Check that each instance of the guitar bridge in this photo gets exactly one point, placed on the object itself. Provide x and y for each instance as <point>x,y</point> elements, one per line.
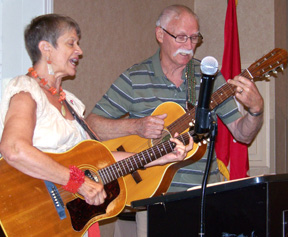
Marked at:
<point>136,176</point>
<point>56,198</point>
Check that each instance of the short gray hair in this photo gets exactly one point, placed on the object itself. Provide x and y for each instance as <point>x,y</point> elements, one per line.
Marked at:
<point>173,12</point>
<point>47,27</point>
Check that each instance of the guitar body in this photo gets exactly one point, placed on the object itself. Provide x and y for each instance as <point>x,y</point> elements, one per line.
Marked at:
<point>134,143</point>
<point>26,208</point>
<point>155,180</point>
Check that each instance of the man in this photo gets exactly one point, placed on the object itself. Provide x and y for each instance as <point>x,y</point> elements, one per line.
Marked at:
<point>161,78</point>
<point>140,89</point>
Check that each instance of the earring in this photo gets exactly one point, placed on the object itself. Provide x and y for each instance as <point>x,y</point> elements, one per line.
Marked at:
<point>49,67</point>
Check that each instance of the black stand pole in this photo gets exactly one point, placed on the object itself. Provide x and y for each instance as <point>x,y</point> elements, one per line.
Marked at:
<point>213,133</point>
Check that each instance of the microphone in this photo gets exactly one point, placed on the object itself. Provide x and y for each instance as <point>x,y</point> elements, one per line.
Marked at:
<point>209,69</point>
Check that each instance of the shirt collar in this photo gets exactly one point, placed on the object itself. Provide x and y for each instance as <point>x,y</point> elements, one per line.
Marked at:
<point>158,69</point>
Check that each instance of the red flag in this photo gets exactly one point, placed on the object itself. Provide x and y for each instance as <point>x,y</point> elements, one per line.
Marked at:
<point>227,149</point>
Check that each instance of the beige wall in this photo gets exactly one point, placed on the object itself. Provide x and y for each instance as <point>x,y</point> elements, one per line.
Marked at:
<point>255,26</point>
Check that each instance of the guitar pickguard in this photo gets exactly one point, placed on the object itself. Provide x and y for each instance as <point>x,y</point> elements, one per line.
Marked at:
<point>81,212</point>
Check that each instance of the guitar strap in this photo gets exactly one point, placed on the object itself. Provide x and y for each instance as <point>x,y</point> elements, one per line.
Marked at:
<point>82,122</point>
<point>191,84</point>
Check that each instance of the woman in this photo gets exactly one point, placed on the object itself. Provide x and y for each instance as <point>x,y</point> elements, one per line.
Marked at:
<point>34,117</point>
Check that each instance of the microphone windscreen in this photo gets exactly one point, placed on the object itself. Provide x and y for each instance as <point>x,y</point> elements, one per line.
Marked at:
<point>209,65</point>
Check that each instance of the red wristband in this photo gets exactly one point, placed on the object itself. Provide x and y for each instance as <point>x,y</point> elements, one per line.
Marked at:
<point>76,179</point>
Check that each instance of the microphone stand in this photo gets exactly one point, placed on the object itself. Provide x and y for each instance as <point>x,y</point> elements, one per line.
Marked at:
<point>213,133</point>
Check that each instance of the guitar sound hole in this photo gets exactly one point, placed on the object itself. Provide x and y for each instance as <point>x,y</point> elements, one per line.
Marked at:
<point>165,136</point>
<point>91,175</point>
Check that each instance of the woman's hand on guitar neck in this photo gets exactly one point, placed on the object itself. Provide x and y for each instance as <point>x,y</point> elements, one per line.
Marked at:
<point>179,153</point>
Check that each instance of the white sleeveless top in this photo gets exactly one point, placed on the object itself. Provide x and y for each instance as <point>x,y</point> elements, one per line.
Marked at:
<point>53,133</point>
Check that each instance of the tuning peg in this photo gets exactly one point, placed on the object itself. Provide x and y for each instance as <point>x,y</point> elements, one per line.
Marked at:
<point>192,123</point>
<point>274,71</point>
<point>267,75</point>
<point>282,67</point>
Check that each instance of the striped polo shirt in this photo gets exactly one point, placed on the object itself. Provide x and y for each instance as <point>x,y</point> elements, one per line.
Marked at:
<point>143,87</point>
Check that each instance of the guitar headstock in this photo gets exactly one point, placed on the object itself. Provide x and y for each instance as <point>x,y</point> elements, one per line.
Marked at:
<point>270,62</point>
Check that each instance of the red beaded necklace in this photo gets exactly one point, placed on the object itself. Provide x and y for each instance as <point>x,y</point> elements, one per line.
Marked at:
<point>51,89</point>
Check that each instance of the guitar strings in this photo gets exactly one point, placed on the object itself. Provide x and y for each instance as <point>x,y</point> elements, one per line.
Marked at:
<point>136,161</point>
<point>127,164</point>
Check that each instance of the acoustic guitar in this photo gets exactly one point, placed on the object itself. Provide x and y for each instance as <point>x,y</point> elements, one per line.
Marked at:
<point>33,207</point>
<point>178,120</point>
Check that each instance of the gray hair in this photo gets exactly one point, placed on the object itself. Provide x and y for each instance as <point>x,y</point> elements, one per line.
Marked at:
<point>173,12</point>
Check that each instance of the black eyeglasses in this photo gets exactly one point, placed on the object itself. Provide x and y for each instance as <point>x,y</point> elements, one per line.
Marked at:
<point>195,39</point>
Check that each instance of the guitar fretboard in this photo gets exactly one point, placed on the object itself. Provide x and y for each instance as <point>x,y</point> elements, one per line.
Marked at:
<point>139,160</point>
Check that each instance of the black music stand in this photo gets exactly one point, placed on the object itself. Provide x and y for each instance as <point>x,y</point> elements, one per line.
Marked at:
<point>256,206</point>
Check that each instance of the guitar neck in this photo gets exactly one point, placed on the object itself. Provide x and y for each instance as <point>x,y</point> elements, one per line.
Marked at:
<point>139,160</point>
<point>226,91</point>
<point>218,97</point>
